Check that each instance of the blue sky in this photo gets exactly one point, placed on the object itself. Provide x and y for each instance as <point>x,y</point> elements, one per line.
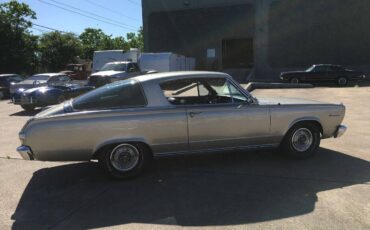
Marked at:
<point>126,14</point>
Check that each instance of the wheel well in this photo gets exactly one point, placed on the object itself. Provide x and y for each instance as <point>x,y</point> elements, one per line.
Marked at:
<point>313,122</point>
<point>141,145</point>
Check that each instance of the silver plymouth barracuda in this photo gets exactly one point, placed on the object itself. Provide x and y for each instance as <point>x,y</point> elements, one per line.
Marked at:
<point>125,123</point>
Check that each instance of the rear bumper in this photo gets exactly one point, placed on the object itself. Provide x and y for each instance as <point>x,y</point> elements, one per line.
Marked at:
<point>340,131</point>
<point>25,152</point>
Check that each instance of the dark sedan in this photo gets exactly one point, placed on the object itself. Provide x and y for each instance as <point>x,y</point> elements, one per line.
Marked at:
<point>323,74</point>
<point>6,81</point>
<point>48,95</point>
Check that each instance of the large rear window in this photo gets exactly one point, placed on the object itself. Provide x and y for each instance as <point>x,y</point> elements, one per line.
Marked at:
<point>122,94</point>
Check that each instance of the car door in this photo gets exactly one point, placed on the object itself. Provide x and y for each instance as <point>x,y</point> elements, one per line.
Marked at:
<point>319,74</point>
<point>227,124</point>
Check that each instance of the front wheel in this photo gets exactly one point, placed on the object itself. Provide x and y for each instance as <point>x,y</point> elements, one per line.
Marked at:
<point>124,160</point>
<point>342,81</point>
<point>294,80</point>
<point>302,141</point>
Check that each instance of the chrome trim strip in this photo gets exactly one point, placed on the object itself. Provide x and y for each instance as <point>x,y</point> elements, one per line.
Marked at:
<point>25,152</point>
<point>205,151</point>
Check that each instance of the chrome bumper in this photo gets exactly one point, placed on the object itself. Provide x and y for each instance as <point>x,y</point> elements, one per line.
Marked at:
<point>340,131</point>
<point>25,152</point>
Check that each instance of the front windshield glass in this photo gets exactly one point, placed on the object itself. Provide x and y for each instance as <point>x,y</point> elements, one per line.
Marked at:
<point>39,78</point>
<point>114,67</point>
<point>310,69</point>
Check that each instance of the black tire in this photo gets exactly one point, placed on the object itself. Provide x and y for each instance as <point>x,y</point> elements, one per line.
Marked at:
<point>291,147</point>
<point>107,162</point>
<point>342,81</point>
<point>294,80</point>
<point>28,108</point>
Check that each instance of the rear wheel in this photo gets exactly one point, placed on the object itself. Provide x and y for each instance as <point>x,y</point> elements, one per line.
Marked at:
<point>124,160</point>
<point>301,141</point>
<point>28,108</point>
<point>342,81</point>
<point>294,80</point>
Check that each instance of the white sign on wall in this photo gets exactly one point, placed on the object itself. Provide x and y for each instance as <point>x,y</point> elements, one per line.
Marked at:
<point>211,53</point>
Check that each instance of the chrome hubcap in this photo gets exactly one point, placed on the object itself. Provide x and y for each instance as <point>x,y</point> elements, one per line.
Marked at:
<point>302,140</point>
<point>124,157</point>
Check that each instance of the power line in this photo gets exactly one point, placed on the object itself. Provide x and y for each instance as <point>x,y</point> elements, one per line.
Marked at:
<point>112,11</point>
<point>87,16</point>
<point>49,28</point>
<point>91,13</point>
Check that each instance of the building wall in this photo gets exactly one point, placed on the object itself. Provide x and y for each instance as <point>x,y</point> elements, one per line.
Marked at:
<point>287,34</point>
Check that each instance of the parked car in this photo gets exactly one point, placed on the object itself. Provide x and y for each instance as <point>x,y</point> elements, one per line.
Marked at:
<point>323,74</point>
<point>6,80</point>
<point>77,71</point>
<point>115,71</point>
<point>125,123</point>
<point>39,80</point>
<point>48,95</point>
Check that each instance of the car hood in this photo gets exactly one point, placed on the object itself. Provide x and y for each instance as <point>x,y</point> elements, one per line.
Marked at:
<point>52,111</point>
<point>108,73</point>
<point>288,101</point>
<point>32,90</point>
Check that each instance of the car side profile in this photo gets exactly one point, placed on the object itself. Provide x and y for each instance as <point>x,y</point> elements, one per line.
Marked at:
<point>125,123</point>
<point>39,80</point>
<point>48,95</point>
<point>323,73</point>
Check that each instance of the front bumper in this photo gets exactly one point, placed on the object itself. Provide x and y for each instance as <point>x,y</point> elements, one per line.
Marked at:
<point>340,131</point>
<point>24,100</point>
<point>25,152</point>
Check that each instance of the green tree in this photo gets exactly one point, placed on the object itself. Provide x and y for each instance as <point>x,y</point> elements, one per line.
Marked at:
<point>17,46</point>
<point>136,40</point>
<point>92,40</point>
<point>95,39</point>
<point>58,49</point>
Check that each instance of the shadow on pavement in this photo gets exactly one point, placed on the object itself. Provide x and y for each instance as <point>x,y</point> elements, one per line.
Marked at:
<point>24,113</point>
<point>222,189</point>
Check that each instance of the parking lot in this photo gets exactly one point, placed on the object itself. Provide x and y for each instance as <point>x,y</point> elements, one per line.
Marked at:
<point>257,190</point>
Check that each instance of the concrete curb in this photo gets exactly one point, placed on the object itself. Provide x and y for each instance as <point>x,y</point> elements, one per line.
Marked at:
<point>263,85</point>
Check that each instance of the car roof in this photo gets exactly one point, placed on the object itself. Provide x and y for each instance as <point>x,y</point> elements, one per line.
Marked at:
<point>328,65</point>
<point>177,74</point>
<point>8,75</point>
<point>48,74</point>
<point>119,62</point>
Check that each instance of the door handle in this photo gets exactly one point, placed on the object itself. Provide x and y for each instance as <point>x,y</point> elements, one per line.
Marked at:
<point>193,114</point>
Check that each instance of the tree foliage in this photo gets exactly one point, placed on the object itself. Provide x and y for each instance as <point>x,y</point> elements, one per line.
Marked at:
<point>95,39</point>
<point>22,52</point>
<point>58,49</point>
<point>17,45</point>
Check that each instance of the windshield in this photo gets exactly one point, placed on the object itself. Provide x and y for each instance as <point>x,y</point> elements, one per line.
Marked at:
<point>310,69</point>
<point>114,67</point>
<point>39,78</point>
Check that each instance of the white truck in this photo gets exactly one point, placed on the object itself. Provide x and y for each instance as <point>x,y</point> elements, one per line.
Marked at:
<point>132,63</point>
<point>105,56</point>
<point>116,71</point>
